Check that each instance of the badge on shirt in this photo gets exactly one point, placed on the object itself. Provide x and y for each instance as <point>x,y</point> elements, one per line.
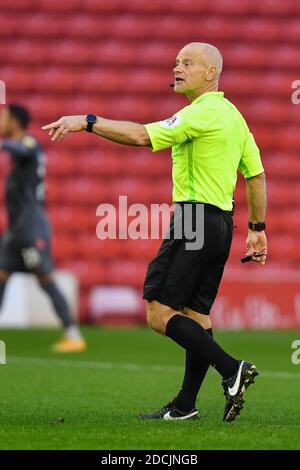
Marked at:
<point>29,141</point>
<point>173,121</point>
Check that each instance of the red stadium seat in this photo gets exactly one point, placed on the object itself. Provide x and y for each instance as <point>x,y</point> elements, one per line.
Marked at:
<point>72,57</point>
<point>18,80</point>
<point>9,25</point>
<point>18,5</point>
<point>131,273</point>
<point>142,249</point>
<point>72,220</point>
<point>84,191</point>
<point>42,25</point>
<point>149,165</point>
<point>277,8</point>
<point>253,84</point>
<point>54,192</point>
<point>58,6</point>
<point>89,272</point>
<point>91,247</point>
<point>57,79</point>
<point>70,52</point>
<point>100,163</point>
<point>63,247</point>
<point>111,6</point>
<point>60,163</point>
<point>283,165</point>
<point>3,220</point>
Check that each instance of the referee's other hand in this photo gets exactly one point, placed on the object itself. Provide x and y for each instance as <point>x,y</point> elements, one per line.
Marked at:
<point>60,128</point>
<point>256,245</point>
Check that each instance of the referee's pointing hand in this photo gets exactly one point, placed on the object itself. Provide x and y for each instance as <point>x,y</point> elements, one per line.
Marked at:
<point>59,129</point>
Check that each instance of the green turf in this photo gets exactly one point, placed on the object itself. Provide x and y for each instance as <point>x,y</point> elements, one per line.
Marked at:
<point>98,394</point>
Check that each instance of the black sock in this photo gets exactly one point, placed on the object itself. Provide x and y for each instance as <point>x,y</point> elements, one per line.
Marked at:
<point>195,372</point>
<point>59,303</point>
<point>191,336</point>
<point>2,289</point>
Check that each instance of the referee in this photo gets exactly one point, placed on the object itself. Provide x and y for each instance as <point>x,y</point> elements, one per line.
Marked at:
<point>210,142</point>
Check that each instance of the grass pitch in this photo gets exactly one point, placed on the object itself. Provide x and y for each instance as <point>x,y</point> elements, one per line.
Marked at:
<point>92,400</point>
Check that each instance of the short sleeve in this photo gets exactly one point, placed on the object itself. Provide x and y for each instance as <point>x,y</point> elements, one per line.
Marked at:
<point>21,149</point>
<point>250,164</point>
<point>182,126</point>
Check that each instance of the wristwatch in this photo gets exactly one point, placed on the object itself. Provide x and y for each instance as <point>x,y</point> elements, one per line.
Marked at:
<point>90,119</point>
<point>257,226</point>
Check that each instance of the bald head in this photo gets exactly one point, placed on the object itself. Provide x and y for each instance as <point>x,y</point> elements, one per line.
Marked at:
<point>209,53</point>
<point>198,68</point>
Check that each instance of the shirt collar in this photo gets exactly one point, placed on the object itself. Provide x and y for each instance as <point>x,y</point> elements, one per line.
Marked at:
<point>208,94</point>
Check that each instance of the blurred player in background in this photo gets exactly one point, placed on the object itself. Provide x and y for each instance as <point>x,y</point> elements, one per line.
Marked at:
<point>25,246</point>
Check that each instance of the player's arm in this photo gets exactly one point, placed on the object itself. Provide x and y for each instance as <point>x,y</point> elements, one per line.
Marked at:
<point>253,171</point>
<point>121,132</point>
<point>17,147</point>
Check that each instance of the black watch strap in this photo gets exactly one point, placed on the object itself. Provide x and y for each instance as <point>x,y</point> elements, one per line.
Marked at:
<point>90,119</point>
<point>257,226</point>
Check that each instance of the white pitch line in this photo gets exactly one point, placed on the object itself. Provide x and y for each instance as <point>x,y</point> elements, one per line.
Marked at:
<point>26,360</point>
<point>280,374</point>
<point>22,360</point>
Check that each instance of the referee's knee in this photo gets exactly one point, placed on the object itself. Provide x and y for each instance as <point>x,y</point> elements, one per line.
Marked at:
<point>158,316</point>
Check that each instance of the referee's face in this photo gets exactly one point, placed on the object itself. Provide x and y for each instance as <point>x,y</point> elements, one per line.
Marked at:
<point>191,71</point>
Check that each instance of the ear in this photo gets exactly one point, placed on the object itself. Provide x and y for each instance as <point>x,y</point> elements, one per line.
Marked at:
<point>211,73</point>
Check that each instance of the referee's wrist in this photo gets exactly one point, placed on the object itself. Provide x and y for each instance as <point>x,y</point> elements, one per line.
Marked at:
<point>257,226</point>
<point>90,120</point>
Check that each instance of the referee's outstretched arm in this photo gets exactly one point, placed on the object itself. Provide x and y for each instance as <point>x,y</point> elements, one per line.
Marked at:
<point>131,133</point>
<point>121,132</point>
<point>256,243</point>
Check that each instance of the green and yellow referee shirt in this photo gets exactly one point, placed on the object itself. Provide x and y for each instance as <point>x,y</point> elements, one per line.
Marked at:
<point>210,141</point>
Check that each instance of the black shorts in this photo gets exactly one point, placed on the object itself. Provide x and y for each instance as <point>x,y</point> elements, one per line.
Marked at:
<point>184,278</point>
<point>25,247</point>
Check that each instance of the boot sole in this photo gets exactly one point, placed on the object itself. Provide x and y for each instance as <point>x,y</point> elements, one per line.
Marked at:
<point>239,401</point>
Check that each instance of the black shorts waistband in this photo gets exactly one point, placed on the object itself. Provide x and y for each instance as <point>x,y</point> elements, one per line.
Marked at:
<point>207,207</point>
